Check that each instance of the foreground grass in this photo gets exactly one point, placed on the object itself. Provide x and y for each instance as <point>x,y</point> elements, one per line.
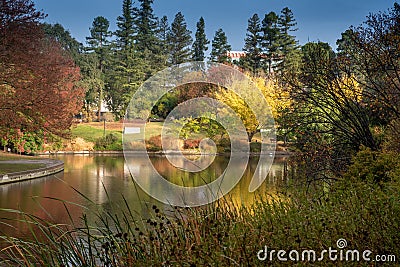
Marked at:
<point>364,214</point>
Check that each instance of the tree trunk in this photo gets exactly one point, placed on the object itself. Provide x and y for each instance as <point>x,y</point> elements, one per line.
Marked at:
<point>250,135</point>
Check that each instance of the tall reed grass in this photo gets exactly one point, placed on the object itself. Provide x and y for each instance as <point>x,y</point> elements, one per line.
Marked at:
<point>365,214</point>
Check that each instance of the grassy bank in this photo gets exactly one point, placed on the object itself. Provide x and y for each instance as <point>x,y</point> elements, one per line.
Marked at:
<point>106,137</point>
<point>364,214</point>
<point>97,136</point>
<point>90,132</point>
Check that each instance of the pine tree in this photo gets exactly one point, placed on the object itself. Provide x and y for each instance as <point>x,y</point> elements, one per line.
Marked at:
<point>271,38</point>
<point>287,23</point>
<point>146,27</point>
<point>179,40</point>
<point>220,48</point>
<point>252,46</point>
<point>288,44</point>
<point>99,44</point>
<point>98,41</point>
<point>146,41</point>
<point>125,24</point>
<point>201,42</point>
<point>163,30</point>
<point>126,67</point>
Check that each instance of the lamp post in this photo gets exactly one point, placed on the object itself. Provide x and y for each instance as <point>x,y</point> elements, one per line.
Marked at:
<point>104,126</point>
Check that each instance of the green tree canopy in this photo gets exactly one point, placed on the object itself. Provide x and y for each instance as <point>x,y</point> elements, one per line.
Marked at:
<point>64,38</point>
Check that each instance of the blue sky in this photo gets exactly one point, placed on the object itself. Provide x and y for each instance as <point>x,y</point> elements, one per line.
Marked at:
<point>317,20</point>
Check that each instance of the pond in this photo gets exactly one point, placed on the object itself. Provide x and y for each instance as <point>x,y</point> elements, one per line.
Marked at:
<point>102,181</point>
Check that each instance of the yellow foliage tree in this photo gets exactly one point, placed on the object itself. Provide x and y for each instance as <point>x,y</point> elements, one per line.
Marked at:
<point>347,88</point>
<point>276,97</point>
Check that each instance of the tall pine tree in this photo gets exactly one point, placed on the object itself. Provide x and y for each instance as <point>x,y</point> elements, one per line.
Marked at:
<point>252,46</point>
<point>163,30</point>
<point>288,44</point>
<point>147,43</point>
<point>126,71</point>
<point>220,48</point>
<point>200,45</point>
<point>271,38</point>
<point>126,27</point>
<point>146,27</point>
<point>179,40</point>
<point>287,24</point>
<point>99,44</point>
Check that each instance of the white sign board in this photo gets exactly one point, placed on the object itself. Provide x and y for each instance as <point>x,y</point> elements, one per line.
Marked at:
<point>131,130</point>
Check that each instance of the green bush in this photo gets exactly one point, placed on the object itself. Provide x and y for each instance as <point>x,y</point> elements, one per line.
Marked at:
<point>108,143</point>
<point>223,145</point>
<point>374,166</point>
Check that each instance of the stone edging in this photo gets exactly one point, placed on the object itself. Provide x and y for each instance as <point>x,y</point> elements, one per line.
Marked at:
<point>52,167</point>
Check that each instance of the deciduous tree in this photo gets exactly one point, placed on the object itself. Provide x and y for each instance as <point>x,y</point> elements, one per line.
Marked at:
<point>37,78</point>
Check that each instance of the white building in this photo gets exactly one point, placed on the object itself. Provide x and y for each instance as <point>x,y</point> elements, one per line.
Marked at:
<point>236,55</point>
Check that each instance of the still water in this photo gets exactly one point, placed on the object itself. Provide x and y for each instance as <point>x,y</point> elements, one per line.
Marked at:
<point>102,181</point>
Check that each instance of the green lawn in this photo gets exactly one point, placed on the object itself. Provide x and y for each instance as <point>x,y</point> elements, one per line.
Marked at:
<point>91,132</point>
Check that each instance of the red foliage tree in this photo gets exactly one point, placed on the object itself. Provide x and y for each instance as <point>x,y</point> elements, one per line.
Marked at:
<point>38,89</point>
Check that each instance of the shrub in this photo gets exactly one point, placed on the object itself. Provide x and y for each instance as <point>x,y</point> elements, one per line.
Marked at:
<point>154,143</point>
<point>374,166</point>
<point>224,145</point>
<point>109,142</point>
<point>191,143</point>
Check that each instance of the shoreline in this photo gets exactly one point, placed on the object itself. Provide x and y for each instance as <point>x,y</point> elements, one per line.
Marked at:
<point>118,152</point>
